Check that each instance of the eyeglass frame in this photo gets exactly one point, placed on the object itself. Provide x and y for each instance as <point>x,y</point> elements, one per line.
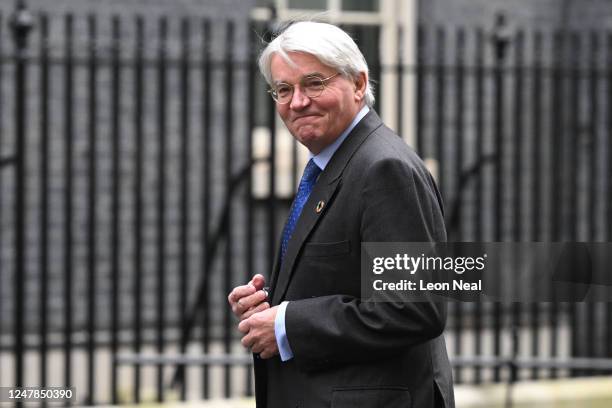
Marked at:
<point>324,82</point>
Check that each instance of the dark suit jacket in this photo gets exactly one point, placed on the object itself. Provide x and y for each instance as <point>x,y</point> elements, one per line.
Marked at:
<point>349,353</point>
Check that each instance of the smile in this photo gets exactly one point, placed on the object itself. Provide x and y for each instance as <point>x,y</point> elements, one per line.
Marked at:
<point>306,117</point>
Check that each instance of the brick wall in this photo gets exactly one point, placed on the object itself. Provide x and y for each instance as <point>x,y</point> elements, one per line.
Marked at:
<point>544,14</point>
<point>214,8</point>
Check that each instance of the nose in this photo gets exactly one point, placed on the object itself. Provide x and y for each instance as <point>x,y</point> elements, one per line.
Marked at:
<point>299,100</point>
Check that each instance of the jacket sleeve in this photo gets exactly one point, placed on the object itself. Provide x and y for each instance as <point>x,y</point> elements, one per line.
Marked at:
<point>399,203</point>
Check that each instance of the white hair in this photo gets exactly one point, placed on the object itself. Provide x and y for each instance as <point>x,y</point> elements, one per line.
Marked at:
<point>328,43</point>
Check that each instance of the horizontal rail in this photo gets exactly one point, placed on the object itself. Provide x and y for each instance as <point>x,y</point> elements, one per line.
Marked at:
<point>603,364</point>
<point>5,161</point>
<point>183,359</point>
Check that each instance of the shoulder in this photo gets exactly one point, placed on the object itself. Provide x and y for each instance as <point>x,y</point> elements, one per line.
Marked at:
<point>385,166</point>
<point>386,153</point>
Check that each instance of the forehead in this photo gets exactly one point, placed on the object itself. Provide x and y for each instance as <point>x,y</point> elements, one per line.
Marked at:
<point>301,64</point>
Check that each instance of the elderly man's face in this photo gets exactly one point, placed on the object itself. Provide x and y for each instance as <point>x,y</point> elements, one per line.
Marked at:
<point>317,122</point>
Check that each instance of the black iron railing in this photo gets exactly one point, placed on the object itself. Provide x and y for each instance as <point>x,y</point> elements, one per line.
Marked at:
<point>134,193</point>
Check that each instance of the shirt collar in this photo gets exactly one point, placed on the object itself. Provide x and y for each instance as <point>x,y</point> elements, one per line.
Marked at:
<point>325,155</point>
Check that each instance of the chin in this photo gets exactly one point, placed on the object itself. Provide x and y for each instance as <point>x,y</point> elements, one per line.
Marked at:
<point>309,142</point>
<point>307,138</point>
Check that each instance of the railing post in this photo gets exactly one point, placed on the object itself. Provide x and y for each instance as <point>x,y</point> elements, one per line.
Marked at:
<point>500,39</point>
<point>21,24</point>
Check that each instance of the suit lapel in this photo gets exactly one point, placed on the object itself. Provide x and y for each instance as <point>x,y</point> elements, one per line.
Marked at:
<point>308,219</point>
<point>323,191</point>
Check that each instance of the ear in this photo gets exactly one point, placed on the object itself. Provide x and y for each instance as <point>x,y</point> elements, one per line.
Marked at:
<point>360,86</point>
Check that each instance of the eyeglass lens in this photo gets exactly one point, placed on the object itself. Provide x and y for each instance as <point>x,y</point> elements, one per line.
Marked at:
<point>311,86</point>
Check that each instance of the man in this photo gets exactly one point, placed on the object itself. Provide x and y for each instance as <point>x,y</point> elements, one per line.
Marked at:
<point>316,343</point>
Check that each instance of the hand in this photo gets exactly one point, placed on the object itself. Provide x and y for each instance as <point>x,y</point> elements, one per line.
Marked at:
<point>259,333</point>
<point>249,299</point>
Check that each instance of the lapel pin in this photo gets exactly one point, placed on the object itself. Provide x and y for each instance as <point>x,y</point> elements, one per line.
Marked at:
<point>320,206</point>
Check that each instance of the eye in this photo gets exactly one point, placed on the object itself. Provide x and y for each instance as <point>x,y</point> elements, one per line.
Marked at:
<point>283,90</point>
<point>313,83</point>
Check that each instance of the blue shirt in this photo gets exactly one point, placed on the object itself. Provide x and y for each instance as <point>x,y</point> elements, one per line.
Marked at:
<point>321,160</point>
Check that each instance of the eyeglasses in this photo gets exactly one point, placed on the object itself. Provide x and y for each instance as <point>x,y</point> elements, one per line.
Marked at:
<point>312,86</point>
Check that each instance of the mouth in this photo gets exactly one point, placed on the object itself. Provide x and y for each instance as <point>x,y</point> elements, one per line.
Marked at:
<point>305,117</point>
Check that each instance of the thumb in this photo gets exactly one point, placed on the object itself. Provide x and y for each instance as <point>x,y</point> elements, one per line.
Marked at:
<point>258,281</point>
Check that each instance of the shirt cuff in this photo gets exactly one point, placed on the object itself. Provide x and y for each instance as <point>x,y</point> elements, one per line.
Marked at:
<point>280,333</point>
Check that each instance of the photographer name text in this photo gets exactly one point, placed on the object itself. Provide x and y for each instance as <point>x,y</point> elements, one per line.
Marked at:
<point>422,285</point>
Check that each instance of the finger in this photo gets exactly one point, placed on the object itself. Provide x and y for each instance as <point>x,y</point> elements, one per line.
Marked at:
<point>244,326</point>
<point>259,308</point>
<point>247,341</point>
<point>239,292</point>
<point>258,281</point>
<point>256,348</point>
<point>253,300</point>
<point>242,291</point>
<point>266,354</point>
<point>237,309</point>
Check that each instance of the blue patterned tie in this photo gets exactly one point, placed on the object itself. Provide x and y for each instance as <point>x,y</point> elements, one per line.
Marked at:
<point>309,178</point>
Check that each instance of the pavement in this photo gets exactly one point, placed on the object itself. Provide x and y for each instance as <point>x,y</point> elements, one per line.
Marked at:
<point>594,392</point>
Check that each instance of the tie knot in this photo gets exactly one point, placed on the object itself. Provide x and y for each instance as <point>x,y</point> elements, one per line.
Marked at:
<point>311,171</point>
